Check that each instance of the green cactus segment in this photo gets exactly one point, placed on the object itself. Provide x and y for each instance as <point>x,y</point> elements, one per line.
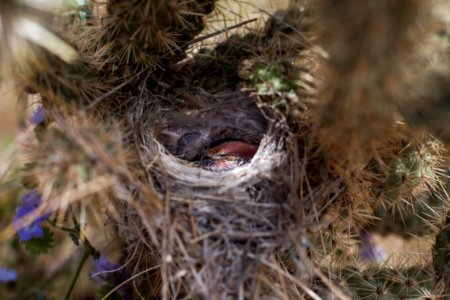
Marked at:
<point>414,172</point>
<point>416,219</point>
<point>386,283</point>
<point>270,79</point>
<point>415,169</point>
<point>409,192</point>
<point>441,252</point>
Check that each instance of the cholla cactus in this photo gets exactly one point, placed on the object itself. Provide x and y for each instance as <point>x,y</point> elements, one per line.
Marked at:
<point>253,167</point>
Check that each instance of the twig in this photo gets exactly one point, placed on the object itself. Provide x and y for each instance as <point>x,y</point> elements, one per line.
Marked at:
<point>207,36</point>
<point>128,280</point>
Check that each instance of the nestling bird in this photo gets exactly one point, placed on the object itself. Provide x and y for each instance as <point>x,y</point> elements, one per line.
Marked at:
<point>220,137</point>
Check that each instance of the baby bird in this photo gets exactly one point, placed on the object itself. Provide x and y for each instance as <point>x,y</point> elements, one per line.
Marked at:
<point>220,138</point>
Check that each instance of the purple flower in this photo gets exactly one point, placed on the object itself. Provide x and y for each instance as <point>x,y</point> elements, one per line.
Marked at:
<point>370,251</point>
<point>31,201</point>
<point>7,275</point>
<point>104,269</point>
<point>105,272</point>
<point>39,115</point>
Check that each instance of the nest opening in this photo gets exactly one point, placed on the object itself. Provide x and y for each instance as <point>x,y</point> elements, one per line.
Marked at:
<point>215,136</point>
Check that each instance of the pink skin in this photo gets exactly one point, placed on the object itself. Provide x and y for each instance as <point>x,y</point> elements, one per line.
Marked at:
<point>235,148</point>
<point>223,165</point>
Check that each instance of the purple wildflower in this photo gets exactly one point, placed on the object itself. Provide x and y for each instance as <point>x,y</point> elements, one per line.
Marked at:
<point>103,268</point>
<point>107,272</point>
<point>7,275</point>
<point>371,252</point>
<point>39,115</point>
<point>31,201</point>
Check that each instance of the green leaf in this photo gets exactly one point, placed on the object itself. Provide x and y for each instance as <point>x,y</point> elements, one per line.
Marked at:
<point>41,245</point>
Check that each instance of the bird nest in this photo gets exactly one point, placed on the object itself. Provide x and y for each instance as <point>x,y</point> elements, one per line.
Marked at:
<point>219,228</point>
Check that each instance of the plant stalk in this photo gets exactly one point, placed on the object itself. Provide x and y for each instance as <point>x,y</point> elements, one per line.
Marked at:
<point>86,254</point>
